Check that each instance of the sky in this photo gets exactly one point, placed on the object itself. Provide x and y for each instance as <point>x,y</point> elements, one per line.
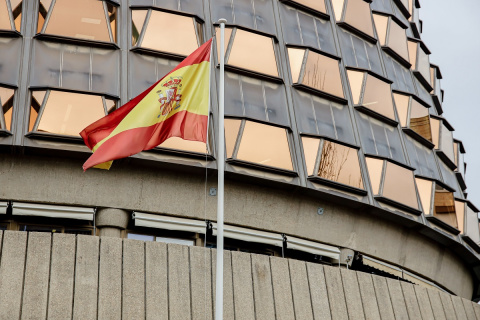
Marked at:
<point>451,31</point>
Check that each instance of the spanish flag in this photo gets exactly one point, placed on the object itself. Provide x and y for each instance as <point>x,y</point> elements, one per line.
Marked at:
<point>175,106</point>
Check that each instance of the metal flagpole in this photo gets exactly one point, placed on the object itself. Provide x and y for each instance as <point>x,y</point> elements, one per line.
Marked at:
<point>221,173</point>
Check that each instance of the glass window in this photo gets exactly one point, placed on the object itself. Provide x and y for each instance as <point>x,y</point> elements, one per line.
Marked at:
<point>144,237</point>
<point>253,14</point>
<point>67,113</point>
<point>422,159</point>
<point>420,61</point>
<point>379,138</point>
<point>381,25</point>
<point>356,13</point>
<point>6,102</point>
<point>444,206</point>
<point>460,212</point>
<point>16,14</point>
<point>301,28</point>
<point>87,19</point>
<point>401,76</point>
<point>425,188</point>
<point>402,103</point>
<point>399,185</point>
<point>260,144</point>
<point>382,6</point>
<point>251,51</point>
<point>257,99</point>
<point>442,137</point>
<point>317,5</point>
<point>10,59</point>
<point>375,172</point>
<point>359,53</point>
<point>391,35</point>
<point>471,228</point>
<point>459,158</point>
<point>420,120</point>
<point>376,96</point>
<point>448,176</point>
<point>322,117</point>
<point>158,35</point>
<point>310,150</point>
<point>319,72</point>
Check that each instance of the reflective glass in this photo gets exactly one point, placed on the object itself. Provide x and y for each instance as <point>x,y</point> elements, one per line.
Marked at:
<point>265,145</point>
<point>402,78</point>
<point>159,35</point>
<point>10,59</point>
<point>382,6</point>
<point>17,13</point>
<point>397,40</point>
<point>253,52</point>
<point>69,113</point>
<point>460,211</point>
<point>449,178</point>
<point>310,150</point>
<point>231,133</point>
<point>356,84</point>
<point>111,105</point>
<point>472,225</point>
<point>79,19</point>
<point>323,73</point>
<point>318,5</point>
<point>401,102</point>
<point>6,102</point>
<point>4,16</point>
<point>446,142</point>
<point>423,64</point>
<point>420,120</point>
<point>36,103</point>
<point>138,19</point>
<point>228,34</point>
<point>435,125</point>
<point>425,193</point>
<point>112,17</point>
<point>412,52</point>
<point>381,25</point>
<point>422,159</point>
<point>340,164</point>
<point>296,60</point>
<point>359,53</point>
<point>358,15</point>
<point>375,168</point>
<point>338,8</point>
<point>399,185</point>
<point>378,97</point>
<point>444,206</point>
<point>185,145</point>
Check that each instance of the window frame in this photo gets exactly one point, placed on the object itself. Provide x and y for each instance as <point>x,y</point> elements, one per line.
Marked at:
<point>340,21</point>
<point>298,5</point>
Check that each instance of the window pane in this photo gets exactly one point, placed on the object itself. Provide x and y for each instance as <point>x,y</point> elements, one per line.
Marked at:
<point>378,97</point>
<point>381,24</point>
<point>265,145</point>
<point>358,15</point>
<point>231,133</point>
<point>401,102</point>
<point>175,240</point>
<point>356,83</point>
<point>375,167</point>
<point>143,237</point>
<point>253,52</point>
<point>112,17</point>
<point>444,206</point>
<point>6,102</point>
<point>425,193</point>
<point>17,13</point>
<point>10,59</point>
<point>4,16</point>
<point>449,178</point>
<point>420,120</point>
<point>399,185</point>
<point>79,19</point>
<point>340,163</point>
<point>159,35</point>
<point>69,113</point>
<point>186,145</point>
<point>323,73</point>
<point>472,225</point>
<point>423,64</point>
<point>296,59</point>
<point>422,159</point>
<point>401,77</point>
<point>338,8</point>
<point>310,150</point>
<point>318,5</point>
<point>446,142</point>
<point>460,212</point>
<point>435,124</point>
<point>36,103</point>
<point>397,40</point>
<point>412,52</point>
<point>138,19</point>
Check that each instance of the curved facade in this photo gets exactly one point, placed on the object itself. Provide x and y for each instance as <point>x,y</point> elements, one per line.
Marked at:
<point>336,148</point>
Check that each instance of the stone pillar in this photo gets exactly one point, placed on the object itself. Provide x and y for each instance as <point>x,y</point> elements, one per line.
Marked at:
<point>110,222</point>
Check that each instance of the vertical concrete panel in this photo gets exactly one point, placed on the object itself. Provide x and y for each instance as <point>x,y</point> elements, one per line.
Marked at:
<point>37,269</point>
<point>262,287</point>
<point>178,282</point>
<point>110,279</point>
<point>383,298</point>
<point>133,300</point>
<point>352,294</point>
<point>282,291</point>
<point>156,281</point>
<point>437,306</point>
<point>458,307</point>
<point>85,295</point>
<point>242,286</point>
<point>62,274</point>
<point>468,305</point>
<point>201,279</point>
<point>318,292</point>
<point>12,264</point>
<point>300,290</point>
<point>398,301</point>
<point>228,308</point>
<point>338,307</point>
<point>411,302</point>
<point>367,293</point>
<point>424,303</point>
<point>448,306</point>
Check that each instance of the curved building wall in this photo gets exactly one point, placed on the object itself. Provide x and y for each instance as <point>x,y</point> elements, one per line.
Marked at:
<point>331,106</point>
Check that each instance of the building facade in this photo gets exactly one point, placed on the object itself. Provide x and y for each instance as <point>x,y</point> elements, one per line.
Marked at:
<point>336,149</point>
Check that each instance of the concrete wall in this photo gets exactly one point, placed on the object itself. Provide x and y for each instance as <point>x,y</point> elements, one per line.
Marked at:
<point>62,276</point>
<point>180,193</point>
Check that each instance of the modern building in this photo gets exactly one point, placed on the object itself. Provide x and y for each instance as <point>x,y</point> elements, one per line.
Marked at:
<point>337,157</point>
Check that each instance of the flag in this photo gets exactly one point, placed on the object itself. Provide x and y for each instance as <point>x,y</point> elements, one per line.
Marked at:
<point>175,106</point>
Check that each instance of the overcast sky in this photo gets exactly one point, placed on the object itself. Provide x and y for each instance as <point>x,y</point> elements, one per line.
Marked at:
<point>451,30</point>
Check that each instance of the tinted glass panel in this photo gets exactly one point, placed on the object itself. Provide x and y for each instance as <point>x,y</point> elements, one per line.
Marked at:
<point>323,73</point>
<point>422,159</point>
<point>185,145</point>
<point>359,53</point>
<point>399,185</point>
<point>375,167</point>
<point>356,84</point>
<point>397,40</point>
<point>358,15</point>
<point>318,5</point>
<point>6,102</point>
<point>265,145</point>
<point>435,125</point>
<point>460,212</point>
<point>425,193</point>
<point>446,142</point>
<point>444,206</point>
<point>310,150</point>
<point>420,120</point>
<point>10,59</point>
<point>472,225</point>
<point>401,77</point>
<point>402,102</point>
<point>378,97</point>
<point>340,164</point>
<point>449,178</point>
<point>138,19</point>
<point>69,113</point>
<point>159,35</point>
<point>423,64</point>
<point>381,25</point>
<point>4,16</point>
<point>296,60</point>
<point>231,133</point>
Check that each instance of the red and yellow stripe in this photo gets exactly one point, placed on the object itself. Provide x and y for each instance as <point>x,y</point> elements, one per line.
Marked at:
<point>139,125</point>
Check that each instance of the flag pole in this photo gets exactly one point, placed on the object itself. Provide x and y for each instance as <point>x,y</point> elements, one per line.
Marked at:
<point>221,173</point>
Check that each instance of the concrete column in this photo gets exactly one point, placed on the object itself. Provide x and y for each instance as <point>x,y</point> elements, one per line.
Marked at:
<point>110,222</point>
